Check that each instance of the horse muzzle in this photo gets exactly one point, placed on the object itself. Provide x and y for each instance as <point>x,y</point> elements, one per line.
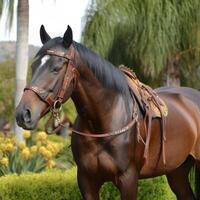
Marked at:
<point>24,118</point>
<point>29,110</point>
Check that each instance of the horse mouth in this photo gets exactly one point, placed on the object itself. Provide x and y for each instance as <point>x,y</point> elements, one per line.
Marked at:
<point>28,125</point>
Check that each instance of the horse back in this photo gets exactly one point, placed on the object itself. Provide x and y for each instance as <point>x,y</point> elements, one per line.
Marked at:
<point>189,93</point>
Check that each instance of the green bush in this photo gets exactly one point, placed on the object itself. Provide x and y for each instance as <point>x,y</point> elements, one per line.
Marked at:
<point>59,185</point>
<point>155,189</point>
<point>148,189</point>
<point>7,89</point>
<point>51,185</point>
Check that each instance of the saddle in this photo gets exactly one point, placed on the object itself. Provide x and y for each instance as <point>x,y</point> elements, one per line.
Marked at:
<point>147,98</point>
<point>151,105</point>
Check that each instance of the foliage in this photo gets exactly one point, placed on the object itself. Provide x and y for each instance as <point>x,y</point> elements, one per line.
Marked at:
<point>153,188</point>
<point>47,185</point>
<point>7,6</point>
<point>7,89</point>
<point>64,159</point>
<point>156,189</point>
<point>143,33</point>
<point>29,155</point>
<point>59,185</point>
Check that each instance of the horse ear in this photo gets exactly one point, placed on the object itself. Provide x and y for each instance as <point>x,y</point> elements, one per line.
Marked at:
<point>44,35</point>
<point>68,37</point>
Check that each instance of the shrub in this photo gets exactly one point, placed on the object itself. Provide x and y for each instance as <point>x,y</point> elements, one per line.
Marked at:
<point>59,185</point>
<point>7,89</point>
<point>148,189</point>
<point>51,185</point>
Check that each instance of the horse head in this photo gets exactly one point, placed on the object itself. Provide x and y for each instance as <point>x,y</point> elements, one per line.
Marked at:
<point>54,77</point>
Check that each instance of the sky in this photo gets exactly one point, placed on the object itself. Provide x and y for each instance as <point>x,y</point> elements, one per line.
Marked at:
<point>55,15</point>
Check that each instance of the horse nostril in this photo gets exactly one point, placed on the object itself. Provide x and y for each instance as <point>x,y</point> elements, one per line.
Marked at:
<point>27,116</point>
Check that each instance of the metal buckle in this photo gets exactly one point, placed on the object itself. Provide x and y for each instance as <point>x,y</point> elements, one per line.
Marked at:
<point>57,105</point>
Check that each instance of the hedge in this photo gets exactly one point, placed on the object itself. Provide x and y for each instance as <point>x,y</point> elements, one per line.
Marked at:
<point>59,185</point>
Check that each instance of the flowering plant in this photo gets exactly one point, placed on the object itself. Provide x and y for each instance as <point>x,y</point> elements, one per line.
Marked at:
<point>32,155</point>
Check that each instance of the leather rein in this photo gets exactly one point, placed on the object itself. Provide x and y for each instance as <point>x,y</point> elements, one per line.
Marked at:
<point>55,102</point>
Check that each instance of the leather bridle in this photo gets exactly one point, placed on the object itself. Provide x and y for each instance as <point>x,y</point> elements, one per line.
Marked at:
<point>54,102</point>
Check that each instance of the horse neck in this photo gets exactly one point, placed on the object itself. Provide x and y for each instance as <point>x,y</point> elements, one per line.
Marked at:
<point>98,106</point>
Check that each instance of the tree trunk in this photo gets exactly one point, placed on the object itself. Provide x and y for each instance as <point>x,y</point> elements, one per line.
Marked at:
<point>21,54</point>
<point>171,76</point>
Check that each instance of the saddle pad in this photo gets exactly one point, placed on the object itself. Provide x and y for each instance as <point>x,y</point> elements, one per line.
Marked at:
<point>146,97</point>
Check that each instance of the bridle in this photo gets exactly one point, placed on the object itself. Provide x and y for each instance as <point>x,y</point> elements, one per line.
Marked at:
<point>54,102</point>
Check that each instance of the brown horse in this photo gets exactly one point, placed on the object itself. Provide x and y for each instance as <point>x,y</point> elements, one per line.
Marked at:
<point>64,68</point>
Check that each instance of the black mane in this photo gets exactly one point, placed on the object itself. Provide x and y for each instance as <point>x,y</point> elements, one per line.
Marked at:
<point>109,75</point>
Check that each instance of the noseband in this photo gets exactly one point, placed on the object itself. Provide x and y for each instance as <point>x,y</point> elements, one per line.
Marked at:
<point>71,74</point>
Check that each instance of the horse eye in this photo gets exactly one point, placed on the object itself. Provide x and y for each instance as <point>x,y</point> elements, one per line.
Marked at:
<point>55,69</point>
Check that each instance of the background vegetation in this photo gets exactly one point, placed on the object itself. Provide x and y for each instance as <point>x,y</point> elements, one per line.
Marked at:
<point>59,185</point>
<point>159,39</point>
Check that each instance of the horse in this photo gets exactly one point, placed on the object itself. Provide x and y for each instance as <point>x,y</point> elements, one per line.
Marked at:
<point>104,138</point>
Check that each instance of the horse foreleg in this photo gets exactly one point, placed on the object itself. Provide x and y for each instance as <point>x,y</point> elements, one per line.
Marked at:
<point>89,186</point>
<point>127,184</point>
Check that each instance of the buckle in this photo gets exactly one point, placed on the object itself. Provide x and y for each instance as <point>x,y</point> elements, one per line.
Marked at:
<point>57,105</point>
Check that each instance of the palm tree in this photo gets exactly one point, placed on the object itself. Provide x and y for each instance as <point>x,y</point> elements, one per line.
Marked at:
<point>21,54</point>
<point>21,48</point>
<point>149,35</point>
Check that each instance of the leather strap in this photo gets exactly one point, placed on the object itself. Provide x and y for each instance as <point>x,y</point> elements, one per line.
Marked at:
<point>112,133</point>
<point>70,74</point>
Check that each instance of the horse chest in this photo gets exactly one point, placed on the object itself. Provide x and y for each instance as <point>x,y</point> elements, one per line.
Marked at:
<point>99,160</point>
<point>96,158</point>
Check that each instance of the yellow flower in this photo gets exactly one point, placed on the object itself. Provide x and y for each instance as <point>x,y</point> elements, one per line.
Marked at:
<point>26,134</point>
<point>26,153</point>
<point>51,164</point>
<point>47,154</point>
<point>54,148</point>
<point>4,161</point>
<point>3,147</point>
<point>50,148</point>
<point>9,147</point>
<point>34,149</point>
<point>41,136</point>
<point>22,145</point>
<point>42,149</point>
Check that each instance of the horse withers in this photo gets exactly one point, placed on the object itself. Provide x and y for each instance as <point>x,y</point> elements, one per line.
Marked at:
<point>105,140</point>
